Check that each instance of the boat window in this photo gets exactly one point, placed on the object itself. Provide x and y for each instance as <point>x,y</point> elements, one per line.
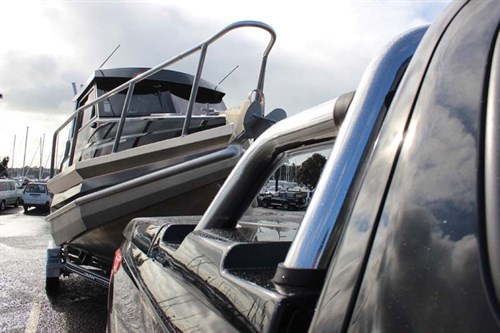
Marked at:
<point>140,105</point>
<point>181,105</point>
<point>88,114</point>
<point>150,103</point>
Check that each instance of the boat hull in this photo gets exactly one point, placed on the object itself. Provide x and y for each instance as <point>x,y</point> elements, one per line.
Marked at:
<point>92,175</point>
<point>94,222</point>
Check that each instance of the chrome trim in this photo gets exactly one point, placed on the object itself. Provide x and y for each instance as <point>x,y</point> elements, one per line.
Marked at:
<point>312,127</point>
<point>492,170</point>
<point>202,46</point>
<point>314,234</point>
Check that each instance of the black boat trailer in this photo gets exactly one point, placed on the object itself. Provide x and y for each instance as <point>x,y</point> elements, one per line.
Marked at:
<point>62,261</point>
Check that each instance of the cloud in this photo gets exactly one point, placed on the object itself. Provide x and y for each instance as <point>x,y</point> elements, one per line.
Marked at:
<point>35,83</point>
<point>321,49</point>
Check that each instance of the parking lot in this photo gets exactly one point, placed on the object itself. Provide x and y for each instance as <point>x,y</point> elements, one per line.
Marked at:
<point>79,306</point>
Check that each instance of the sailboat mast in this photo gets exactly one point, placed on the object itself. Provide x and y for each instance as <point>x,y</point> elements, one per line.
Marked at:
<point>40,169</point>
<point>13,152</point>
<point>25,146</point>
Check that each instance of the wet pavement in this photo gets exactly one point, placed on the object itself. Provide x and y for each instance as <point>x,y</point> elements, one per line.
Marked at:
<point>78,306</point>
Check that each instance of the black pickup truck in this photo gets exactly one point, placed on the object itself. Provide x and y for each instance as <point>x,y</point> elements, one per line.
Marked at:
<point>403,231</point>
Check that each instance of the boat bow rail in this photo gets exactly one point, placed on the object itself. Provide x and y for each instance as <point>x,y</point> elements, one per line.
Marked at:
<point>257,96</point>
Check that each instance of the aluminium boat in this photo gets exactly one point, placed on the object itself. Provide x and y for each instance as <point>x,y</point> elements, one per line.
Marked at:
<point>144,142</point>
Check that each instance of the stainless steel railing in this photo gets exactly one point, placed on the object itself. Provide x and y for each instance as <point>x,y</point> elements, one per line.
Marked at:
<point>309,248</point>
<point>202,48</point>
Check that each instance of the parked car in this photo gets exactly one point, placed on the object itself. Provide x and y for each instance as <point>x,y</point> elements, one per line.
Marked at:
<point>283,199</point>
<point>36,194</point>
<point>402,234</point>
<point>9,194</point>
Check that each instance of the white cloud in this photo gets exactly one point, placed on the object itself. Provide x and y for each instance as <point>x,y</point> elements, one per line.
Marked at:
<point>321,50</point>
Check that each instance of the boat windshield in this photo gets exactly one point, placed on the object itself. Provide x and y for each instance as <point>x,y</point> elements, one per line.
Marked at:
<point>161,102</point>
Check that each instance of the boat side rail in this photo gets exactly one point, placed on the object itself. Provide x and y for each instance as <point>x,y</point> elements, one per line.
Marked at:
<point>130,85</point>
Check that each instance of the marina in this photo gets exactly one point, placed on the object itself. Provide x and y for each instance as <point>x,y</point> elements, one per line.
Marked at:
<point>197,193</point>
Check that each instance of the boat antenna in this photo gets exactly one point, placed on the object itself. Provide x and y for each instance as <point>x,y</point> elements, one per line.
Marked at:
<point>225,77</point>
<point>105,61</point>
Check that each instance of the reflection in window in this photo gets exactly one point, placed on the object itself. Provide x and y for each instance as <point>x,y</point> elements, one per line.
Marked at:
<point>160,102</point>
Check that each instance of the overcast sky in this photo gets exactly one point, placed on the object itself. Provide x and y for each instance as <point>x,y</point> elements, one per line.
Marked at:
<point>321,51</point>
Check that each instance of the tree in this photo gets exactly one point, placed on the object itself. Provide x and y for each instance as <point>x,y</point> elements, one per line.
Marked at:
<point>311,169</point>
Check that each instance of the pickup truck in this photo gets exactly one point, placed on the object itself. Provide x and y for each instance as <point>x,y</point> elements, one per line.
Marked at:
<point>283,199</point>
<point>403,231</point>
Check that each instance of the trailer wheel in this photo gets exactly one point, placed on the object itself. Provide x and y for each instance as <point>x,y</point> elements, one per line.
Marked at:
<point>51,285</point>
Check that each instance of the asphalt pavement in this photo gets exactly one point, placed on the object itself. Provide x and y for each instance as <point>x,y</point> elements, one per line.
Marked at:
<point>79,305</point>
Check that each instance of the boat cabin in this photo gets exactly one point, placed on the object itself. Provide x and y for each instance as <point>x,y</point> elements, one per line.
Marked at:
<point>156,112</point>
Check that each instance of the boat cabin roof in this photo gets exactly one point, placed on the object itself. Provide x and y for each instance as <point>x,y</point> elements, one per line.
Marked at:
<point>178,83</point>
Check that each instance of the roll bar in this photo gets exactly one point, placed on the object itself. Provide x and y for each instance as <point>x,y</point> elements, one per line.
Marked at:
<point>308,248</point>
